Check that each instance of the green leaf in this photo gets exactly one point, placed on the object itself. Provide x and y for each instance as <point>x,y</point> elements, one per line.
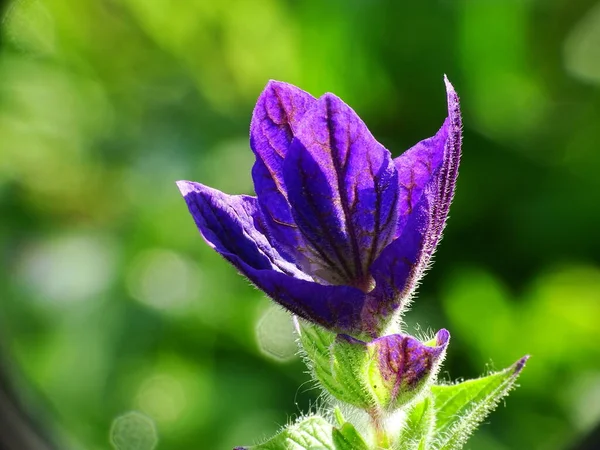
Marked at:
<point>461,407</point>
<point>418,427</point>
<point>347,438</point>
<point>339,417</point>
<point>310,433</point>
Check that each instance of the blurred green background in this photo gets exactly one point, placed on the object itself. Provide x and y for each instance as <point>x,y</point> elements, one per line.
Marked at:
<point>110,300</point>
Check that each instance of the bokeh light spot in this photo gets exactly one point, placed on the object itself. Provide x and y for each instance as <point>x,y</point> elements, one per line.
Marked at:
<point>582,48</point>
<point>30,26</point>
<point>583,400</point>
<point>133,431</point>
<point>163,397</point>
<point>275,334</point>
<point>234,155</point>
<point>68,269</point>
<point>164,280</point>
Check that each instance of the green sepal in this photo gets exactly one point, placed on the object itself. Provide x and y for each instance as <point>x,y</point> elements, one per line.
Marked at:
<point>461,407</point>
<point>333,366</point>
<point>350,368</point>
<point>310,433</point>
<point>315,342</point>
<point>347,438</point>
<point>418,428</point>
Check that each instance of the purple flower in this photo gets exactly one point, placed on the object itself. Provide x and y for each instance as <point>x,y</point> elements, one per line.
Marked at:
<point>339,232</point>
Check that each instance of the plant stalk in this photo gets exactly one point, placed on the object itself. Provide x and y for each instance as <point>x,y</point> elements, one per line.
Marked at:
<point>382,440</point>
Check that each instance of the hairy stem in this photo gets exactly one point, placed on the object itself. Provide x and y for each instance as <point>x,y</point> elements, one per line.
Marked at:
<point>382,440</point>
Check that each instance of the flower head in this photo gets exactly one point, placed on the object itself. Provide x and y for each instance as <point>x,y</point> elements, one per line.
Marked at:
<point>339,233</point>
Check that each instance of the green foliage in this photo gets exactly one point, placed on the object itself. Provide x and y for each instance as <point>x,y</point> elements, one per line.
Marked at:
<point>461,407</point>
<point>310,433</point>
<point>347,438</point>
<point>314,433</point>
<point>316,343</point>
<point>442,420</point>
<point>338,366</point>
<point>349,367</point>
<point>417,431</point>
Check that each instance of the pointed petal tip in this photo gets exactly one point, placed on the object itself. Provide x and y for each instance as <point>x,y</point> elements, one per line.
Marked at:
<point>442,338</point>
<point>185,187</point>
<point>271,84</point>
<point>276,92</point>
<point>450,91</point>
<point>334,101</point>
<point>330,96</point>
<point>520,364</point>
<point>449,86</point>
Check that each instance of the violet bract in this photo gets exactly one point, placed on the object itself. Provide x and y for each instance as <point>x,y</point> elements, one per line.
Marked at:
<point>339,233</point>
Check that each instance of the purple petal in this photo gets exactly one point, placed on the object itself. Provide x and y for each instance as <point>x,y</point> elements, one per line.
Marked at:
<point>343,189</point>
<point>423,215</point>
<point>337,308</point>
<point>449,170</point>
<point>232,225</point>
<point>277,113</point>
<point>399,267</point>
<point>416,168</point>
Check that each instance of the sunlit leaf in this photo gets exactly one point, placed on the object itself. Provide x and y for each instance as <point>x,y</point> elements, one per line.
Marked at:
<point>347,438</point>
<point>311,433</point>
<point>418,427</point>
<point>461,407</point>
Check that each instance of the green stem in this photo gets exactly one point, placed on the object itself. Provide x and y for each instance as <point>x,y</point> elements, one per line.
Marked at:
<point>382,440</point>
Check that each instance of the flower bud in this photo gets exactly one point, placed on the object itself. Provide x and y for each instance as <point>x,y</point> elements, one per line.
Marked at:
<point>401,366</point>
<point>388,372</point>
